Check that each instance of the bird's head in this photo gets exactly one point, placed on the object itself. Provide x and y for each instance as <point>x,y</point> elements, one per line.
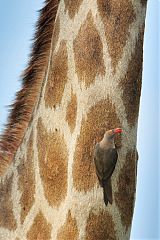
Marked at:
<point>108,139</point>
<point>110,134</point>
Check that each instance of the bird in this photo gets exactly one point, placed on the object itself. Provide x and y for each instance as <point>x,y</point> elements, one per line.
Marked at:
<point>105,159</point>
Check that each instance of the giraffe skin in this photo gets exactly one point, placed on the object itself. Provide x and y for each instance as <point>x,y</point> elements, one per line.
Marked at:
<point>92,83</point>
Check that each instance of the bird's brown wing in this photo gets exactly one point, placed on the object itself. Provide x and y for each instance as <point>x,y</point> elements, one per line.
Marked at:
<point>105,161</point>
<point>98,160</point>
<point>110,159</point>
<point>109,162</point>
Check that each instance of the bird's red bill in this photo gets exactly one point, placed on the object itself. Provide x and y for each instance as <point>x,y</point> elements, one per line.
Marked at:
<point>118,130</point>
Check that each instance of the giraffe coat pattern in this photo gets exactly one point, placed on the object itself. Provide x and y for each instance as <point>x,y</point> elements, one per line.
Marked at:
<point>80,82</point>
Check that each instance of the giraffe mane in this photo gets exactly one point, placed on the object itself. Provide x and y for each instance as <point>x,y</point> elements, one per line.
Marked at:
<point>21,110</point>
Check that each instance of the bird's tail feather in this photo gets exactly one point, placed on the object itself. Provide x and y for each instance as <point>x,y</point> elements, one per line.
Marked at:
<point>107,192</point>
<point>105,197</point>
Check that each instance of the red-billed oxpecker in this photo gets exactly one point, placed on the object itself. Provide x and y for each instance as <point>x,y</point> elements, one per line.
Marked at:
<point>105,158</point>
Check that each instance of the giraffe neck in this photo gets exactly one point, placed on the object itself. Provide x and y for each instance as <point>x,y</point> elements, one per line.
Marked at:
<point>92,82</point>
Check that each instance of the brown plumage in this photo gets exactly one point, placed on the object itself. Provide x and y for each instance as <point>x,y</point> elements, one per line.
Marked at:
<point>105,158</point>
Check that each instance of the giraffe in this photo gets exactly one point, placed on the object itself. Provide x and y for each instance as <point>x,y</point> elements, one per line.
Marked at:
<point>84,76</point>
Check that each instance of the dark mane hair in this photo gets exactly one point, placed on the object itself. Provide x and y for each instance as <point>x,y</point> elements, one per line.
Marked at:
<point>32,78</point>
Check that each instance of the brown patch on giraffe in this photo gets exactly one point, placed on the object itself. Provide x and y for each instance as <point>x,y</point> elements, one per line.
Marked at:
<point>72,7</point>
<point>53,164</point>
<point>57,77</point>
<point>131,84</point>
<point>40,229</point>
<point>117,17</point>
<point>7,219</point>
<point>100,227</point>
<point>100,118</point>
<point>124,197</point>
<point>69,230</point>
<point>26,180</point>
<point>88,52</point>
<point>32,81</point>
<point>72,112</point>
